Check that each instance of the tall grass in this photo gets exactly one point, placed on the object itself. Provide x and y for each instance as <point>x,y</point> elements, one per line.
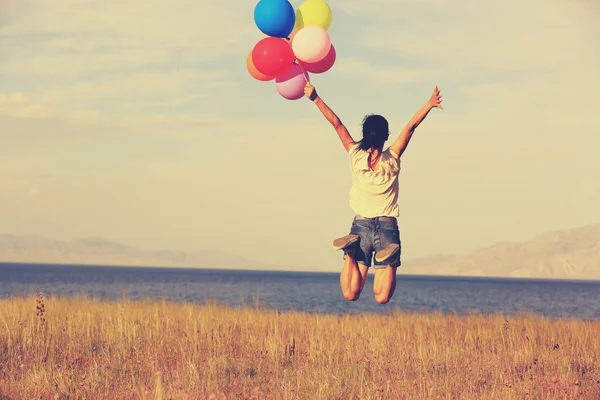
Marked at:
<point>78,348</point>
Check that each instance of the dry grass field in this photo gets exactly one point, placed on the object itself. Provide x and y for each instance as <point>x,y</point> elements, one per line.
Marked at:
<point>80,348</point>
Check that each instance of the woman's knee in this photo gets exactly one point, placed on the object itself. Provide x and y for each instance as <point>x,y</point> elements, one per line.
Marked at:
<point>383,295</point>
<point>383,298</point>
<point>352,295</point>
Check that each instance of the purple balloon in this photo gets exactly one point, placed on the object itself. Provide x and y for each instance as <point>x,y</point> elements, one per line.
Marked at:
<point>291,84</point>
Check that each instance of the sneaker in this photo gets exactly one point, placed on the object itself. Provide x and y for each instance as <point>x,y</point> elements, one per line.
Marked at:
<point>345,241</point>
<point>385,254</point>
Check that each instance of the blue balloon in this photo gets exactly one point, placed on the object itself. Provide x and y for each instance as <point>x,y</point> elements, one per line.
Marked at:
<point>275,18</point>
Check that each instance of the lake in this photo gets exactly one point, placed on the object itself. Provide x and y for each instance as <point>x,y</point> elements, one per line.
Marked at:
<point>305,291</point>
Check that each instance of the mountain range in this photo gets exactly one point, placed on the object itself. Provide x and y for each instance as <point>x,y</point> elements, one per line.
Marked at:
<point>97,251</point>
<point>566,254</point>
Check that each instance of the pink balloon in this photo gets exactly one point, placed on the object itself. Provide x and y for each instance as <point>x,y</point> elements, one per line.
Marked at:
<point>311,44</point>
<point>291,84</point>
<point>321,66</point>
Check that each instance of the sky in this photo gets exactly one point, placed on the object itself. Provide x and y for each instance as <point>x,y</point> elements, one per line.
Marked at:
<point>138,122</point>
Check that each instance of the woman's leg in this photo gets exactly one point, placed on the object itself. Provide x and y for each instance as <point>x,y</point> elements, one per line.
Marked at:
<point>358,250</point>
<point>353,276</point>
<point>384,284</point>
<point>387,259</point>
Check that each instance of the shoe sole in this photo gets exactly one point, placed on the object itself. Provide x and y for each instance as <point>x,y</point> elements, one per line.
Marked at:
<point>344,241</point>
<point>386,253</point>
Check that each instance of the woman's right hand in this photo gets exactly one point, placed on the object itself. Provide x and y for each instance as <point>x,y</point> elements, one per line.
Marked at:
<point>310,91</point>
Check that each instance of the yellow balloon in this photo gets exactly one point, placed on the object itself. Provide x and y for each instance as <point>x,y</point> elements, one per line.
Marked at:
<point>314,13</point>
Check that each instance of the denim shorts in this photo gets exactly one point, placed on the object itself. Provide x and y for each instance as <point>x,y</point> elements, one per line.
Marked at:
<point>375,234</point>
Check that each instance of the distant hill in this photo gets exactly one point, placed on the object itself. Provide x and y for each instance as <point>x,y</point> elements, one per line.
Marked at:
<point>566,254</point>
<point>39,249</point>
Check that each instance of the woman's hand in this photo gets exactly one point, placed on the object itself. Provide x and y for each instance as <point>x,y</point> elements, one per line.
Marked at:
<point>436,99</point>
<point>310,91</point>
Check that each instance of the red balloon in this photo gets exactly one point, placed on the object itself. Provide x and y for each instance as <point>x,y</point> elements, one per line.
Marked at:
<point>321,66</point>
<point>272,56</point>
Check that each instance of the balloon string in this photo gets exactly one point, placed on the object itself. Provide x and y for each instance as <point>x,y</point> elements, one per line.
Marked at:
<point>304,73</point>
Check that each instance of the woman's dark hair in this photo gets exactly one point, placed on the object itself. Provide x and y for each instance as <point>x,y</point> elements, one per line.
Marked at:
<point>375,132</point>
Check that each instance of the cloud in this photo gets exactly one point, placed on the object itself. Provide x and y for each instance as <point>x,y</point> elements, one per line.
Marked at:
<point>22,106</point>
<point>122,57</point>
<point>464,39</point>
<point>385,9</point>
<point>33,194</point>
<point>132,93</point>
<point>54,118</point>
<point>7,7</point>
<point>61,58</point>
<point>28,136</point>
<point>381,75</point>
<point>590,187</point>
<point>17,108</point>
<point>101,25</point>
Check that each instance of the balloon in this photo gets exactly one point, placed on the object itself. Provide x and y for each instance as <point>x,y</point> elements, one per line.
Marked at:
<point>314,13</point>
<point>291,84</point>
<point>292,34</point>
<point>256,74</point>
<point>321,66</point>
<point>275,18</point>
<point>272,56</point>
<point>311,44</point>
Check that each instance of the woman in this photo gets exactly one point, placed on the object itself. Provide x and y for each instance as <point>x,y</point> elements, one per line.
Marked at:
<point>374,199</point>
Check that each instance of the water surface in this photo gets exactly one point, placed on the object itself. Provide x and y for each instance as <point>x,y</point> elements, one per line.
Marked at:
<point>305,291</point>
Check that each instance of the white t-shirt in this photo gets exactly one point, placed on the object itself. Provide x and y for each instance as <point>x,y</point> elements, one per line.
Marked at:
<point>374,193</point>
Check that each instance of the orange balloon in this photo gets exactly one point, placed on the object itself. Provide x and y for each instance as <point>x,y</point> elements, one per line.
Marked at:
<point>256,74</point>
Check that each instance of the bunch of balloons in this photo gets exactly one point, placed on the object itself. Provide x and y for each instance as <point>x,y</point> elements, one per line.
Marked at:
<point>297,43</point>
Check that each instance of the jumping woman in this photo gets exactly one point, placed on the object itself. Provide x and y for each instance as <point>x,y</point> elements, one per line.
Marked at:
<point>373,198</point>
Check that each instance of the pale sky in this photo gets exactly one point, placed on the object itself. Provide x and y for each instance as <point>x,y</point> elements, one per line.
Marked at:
<point>138,122</point>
